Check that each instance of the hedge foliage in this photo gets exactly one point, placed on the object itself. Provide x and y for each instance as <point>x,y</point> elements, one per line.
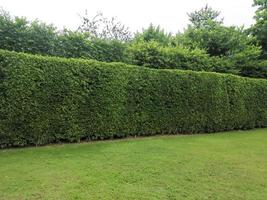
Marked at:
<point>49,99</point>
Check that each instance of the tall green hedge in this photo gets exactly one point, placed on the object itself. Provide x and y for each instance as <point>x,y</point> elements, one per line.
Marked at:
<point>48,99</point>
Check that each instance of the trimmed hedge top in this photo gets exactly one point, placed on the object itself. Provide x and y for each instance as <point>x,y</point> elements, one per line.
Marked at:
<point>49,99</point>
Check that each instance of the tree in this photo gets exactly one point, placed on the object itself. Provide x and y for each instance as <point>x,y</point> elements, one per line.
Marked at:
<point>74,44</point>
<point>209,33</point>
<point>217,40</point>
<point>103,28</point>
<point>259,29</point>
<point>204,16</point>
<point>231,48</point>
<point>41,38</point>
<point>12,32</point>
<point>152,54</point>
<point>154,33</point>
<point>17,34</point>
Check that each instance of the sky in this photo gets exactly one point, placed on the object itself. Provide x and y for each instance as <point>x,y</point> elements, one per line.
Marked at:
<point>136,14</point>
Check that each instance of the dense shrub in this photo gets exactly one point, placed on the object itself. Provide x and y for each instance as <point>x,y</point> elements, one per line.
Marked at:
<point>255,70</point>
<point>79,45</point>
<point>49,99</point>
<point>152,54</point>
<point>204,46</point>
<point>219,40</point>
<point>18,34</point>
<point>154,33</point>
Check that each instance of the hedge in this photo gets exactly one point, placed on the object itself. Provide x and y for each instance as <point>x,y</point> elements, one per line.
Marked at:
<point>48,100</point>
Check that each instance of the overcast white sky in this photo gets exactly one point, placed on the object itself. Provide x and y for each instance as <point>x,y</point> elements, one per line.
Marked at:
<point>169,14</point>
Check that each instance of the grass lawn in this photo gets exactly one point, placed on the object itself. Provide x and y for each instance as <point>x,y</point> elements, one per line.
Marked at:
<point>229,165</point>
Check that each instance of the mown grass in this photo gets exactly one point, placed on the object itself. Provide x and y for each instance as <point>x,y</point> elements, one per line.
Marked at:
<point>230,165</point>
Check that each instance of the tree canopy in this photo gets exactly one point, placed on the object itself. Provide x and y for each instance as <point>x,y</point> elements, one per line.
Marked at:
<point>205,45</point>
<point>259,29</point>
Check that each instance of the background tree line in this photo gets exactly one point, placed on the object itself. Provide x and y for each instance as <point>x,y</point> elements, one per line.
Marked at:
<point>205,45</point>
